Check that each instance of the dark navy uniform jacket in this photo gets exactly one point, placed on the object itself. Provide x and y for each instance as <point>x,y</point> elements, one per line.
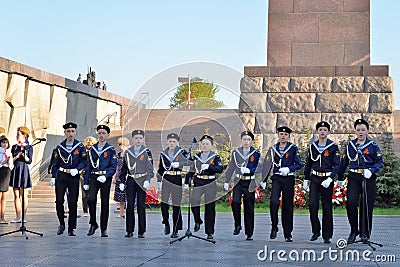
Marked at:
<point>213,160</point>
<point>238,160</point>
<point>76,159</point>
<point>106,161</point>
<point>275,160</point>
<point>367,156</point>
<point>137,164</point>
<point>180,155</point>
<point>326,161</point>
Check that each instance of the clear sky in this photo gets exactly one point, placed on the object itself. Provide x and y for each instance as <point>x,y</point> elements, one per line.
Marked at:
<point>129,42</point>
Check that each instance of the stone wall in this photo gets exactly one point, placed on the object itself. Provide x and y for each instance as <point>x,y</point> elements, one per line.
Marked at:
<point>44,102</point>
<point>300,102</point>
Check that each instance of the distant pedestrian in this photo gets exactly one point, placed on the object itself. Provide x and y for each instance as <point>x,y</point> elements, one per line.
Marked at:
<point>79,80</point>
<point>104,86</point>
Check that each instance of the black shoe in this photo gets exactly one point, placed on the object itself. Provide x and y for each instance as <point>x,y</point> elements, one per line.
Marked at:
<point>61,229</point>
<point>104,233</point>
<point>273,233</point>
<point>314,237</point>
<point>92,229</point>
<point>237,230</point>
<point>174,234</point>
<point>72,232</point>
<point>140,235</point>
<point>167,230</point>
<point>352,238</point>
<point>288,239</point>
<point>364,239</point>
<point>196,227</point>
<point>129,234</point>
<point>249,238</point>
<point>210,236</point>
<point>327,240</point>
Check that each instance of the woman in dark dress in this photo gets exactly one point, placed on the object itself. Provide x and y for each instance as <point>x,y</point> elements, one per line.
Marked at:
<point>22,154</point>
<point>120,196</point>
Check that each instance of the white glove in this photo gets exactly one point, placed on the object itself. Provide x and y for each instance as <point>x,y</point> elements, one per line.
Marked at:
<point>121,187</point>
<point>204,166</point>
<point>86,187</point>
<point>226,186</point>
<point>159,186</point>
<point>53,181</point>
<point>146,184</point>
<point>263,185</point>
<point>284,171</point>
<point>306,185</point>
<point>367,173</point>
<point>340,183</point>
<point>244,170</point>
<point>325,183</point>
<point>175,164</point>
<point>185,186</point>
<point>101,179</point>
<point>74,172</point>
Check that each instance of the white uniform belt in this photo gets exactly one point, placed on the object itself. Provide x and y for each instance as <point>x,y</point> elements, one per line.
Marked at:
<point>206,176</point>
<point>137,175</point>
<point>290,173</point>
<point>242,177</point>
<point>99,172</point>
<point>173,172</point>
<point>65,170</point>
<point>361,171</point>
<point>321,174</point>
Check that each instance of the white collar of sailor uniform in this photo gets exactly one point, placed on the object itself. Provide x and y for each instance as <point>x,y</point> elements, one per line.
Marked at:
<point>177,150</point>
<point>106,147</point>
<point>239,151</point>
<point>132,149</point>
<point>63,145</point>
<point>275,148</point>
<point>366,143</point>
<point>329,143</point>
<point>210,156</point>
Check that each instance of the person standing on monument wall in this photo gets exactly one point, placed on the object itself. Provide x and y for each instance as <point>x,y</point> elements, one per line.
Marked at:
<point>364,159</point>
<point>243,163</point>
<point>283,159</point>
<point>22,154</point>
<point>102,164</point>
<point>322,165</point>
<point>69,161</point>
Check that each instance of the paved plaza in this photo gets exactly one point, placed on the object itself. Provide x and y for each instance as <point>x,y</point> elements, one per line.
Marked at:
<point>156,250</point>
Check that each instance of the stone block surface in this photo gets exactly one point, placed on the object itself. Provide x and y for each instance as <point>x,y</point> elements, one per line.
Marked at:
<point>266,122</point>
<point>348,85</point>
<point>311,84</point>
<point>248,120</point>
<point>38,105</point>
<point>317,54</point>
<point>307,6</point>
<point>279,54</point>
<point>251,84</point>
<point>379,85</point>
<point>253,102</point>
<point>348,71</point>
<point>282,71</point>
<point>276,84</point>
<point>299,102</point>
<point>357,54</point>
<point>356,6</point>
<point>279,6</point>
<point>298,122</point>
<point>382,70</point>
<point>342,102</point>
<point>379,123</point>
<point>16,90</point>
<point>256,71</point>
<point>381,103</point>
<point>341,123</point>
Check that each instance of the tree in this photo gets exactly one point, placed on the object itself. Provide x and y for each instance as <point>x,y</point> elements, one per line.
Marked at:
<point>202,96</point>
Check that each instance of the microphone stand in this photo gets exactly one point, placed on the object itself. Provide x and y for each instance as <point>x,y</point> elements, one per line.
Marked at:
<point>364,207</point>
<point>189,233</point>
<point>23,229</point>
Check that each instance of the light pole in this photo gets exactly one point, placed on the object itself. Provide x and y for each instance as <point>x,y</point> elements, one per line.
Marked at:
<point>187,80</point>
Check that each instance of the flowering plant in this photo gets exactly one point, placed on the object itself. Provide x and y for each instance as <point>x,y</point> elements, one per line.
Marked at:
<point>152,196</point>
<point>339,198</point>
<point>301,196</point>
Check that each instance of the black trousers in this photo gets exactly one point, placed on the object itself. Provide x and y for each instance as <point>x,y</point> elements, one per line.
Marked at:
<point>242,188</point>
<point>94,187</point>
<point>84,197</point>
<point>284,184</point>
<point>317,191</point>
<point>172,186</point>
<point>354,198</point>
<point>208,188</point>
<point>64,181</point>
<point>135,190</point>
